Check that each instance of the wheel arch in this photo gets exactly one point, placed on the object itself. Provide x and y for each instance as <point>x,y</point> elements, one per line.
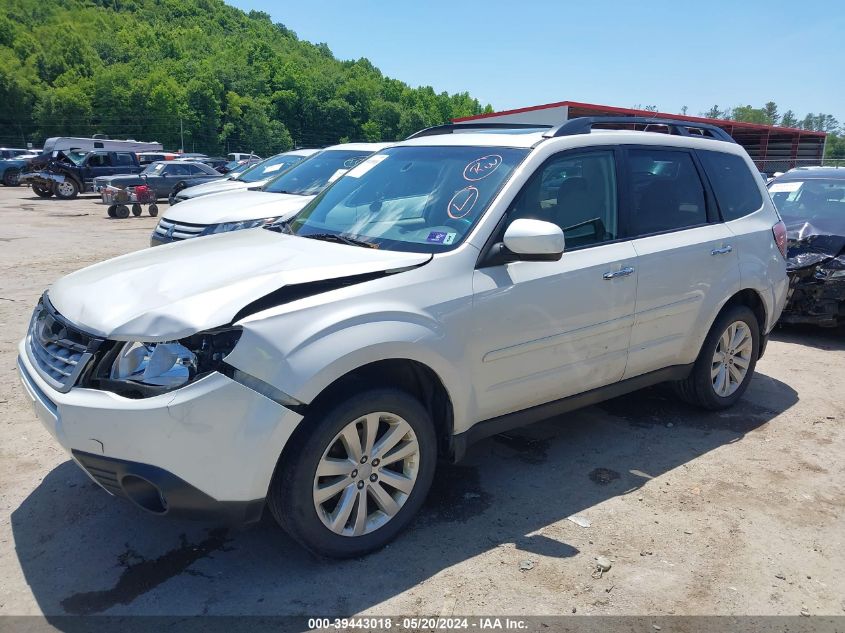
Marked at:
<point>411,376</point>
<point>752,299</point>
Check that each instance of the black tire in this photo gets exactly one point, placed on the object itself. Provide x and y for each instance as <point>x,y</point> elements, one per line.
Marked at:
<point>290,498</point>
<point>111,210</point>
<point>12,177</point>
<point>697,389</point>
<point>42,191</point>
<point>153,210</point>
<point>136,209</point>
<point>67,190</point>
<point>122,212</point>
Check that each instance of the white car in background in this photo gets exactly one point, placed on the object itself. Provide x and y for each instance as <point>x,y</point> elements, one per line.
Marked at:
<point>278,199</point>
<point>254,176</point>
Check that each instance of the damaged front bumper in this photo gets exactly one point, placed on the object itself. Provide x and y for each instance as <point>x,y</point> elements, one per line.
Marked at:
<point>813,299</point>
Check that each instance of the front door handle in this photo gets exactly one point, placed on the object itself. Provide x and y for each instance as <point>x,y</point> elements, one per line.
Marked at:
<point>622,272</point>
<point>721,251</point>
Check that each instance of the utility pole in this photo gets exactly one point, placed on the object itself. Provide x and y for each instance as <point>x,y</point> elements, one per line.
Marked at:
<point>181,136</point>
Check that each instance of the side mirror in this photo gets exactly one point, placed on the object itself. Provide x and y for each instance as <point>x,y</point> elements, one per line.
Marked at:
<point>534,240</point>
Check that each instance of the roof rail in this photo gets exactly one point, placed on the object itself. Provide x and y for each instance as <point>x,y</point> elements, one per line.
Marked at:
<point>583,125</point>
<point>451,128</point>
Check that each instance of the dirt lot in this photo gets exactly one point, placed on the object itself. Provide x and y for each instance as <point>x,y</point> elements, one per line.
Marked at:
<point>732,513</point>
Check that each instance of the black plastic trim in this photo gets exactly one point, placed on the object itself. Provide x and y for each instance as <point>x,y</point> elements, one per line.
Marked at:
<point>584,125</point>
<point>509,421</point>
<point>179,498</point>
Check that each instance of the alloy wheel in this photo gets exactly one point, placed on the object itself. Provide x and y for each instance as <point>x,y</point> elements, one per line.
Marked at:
<point>366,474</point>
<point>65,188</point>
<point>731,358</point>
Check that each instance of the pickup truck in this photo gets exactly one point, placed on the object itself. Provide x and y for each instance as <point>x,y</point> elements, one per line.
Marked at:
<point>67,174</point>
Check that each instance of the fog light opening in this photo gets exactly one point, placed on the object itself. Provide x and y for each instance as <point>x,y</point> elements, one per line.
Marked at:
<point>144,494</point>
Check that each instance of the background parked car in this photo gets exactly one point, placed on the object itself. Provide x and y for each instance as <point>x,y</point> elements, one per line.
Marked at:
<point>145,158</point>
<point>254,176</point>
<point>159,176</point>
<point>812,204</point>
<point>279,199</point>
<point>10,171</point>
<point>12,152</point>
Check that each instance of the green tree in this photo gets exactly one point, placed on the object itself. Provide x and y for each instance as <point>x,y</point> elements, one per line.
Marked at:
<point>789,119</point>
<point>771,112</point>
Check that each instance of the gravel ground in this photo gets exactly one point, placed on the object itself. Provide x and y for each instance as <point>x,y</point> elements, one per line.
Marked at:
<point>739,512</point>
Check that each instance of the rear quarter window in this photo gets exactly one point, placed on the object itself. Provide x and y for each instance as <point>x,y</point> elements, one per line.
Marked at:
<point>735,186</point>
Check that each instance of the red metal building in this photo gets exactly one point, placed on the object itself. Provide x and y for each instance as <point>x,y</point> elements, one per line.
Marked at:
<point>771,147</point>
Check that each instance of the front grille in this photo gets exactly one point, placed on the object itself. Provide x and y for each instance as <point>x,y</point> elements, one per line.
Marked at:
<point>58,350</point>
<point>170,231</point>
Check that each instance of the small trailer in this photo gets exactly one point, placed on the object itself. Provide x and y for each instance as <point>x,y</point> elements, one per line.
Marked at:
<point>120,199</point>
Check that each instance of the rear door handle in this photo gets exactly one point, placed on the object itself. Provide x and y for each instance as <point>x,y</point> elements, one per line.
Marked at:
<point>622,272</point>
<point>722,251</point>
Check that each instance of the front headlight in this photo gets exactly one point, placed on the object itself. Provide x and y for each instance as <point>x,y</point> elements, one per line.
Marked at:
<point>142,369</point>
<point>226,227</point>
<point>159,364</point>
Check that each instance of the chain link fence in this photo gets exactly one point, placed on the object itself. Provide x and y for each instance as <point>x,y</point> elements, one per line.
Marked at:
<point>771,166</point>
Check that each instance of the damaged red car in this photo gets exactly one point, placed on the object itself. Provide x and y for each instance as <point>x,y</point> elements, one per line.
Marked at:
<point>811,202</point>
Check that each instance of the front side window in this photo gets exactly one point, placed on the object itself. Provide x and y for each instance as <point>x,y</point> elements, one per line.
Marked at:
<point>733,183</point>
<point>311,176</point>
<point>576,191</point>
<point>123,159</point>
<point>414,199</point>
<point>666,189</point>
<point>99,160</point>
<point>153,169</point>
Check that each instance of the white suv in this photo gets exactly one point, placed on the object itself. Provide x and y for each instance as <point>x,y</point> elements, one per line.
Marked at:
<point>447,288</point>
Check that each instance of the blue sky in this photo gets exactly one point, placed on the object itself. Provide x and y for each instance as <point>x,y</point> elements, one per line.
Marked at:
<point>669,54</point>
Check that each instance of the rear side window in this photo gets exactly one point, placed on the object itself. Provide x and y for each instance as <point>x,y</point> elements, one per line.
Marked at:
<point>733,183</point>
<point>667,191</point>
<point>124,159</point>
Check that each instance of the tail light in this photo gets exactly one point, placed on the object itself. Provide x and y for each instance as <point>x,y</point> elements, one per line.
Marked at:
<point>779,231</point>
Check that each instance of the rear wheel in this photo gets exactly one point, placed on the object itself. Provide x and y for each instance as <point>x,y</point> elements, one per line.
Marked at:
<point>41,191</point>
<point>12,177</point>
<point>726,363</point>
<point>357,476</point>
<point>136,209</point>
<point>122,212</point>
<point>67,189</point>
<point>111,210</point>
<point>153,210</point>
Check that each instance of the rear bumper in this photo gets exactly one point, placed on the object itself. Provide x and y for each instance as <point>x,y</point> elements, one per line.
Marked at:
<point>208,449</point>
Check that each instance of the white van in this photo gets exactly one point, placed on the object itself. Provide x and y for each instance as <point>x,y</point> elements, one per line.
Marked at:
<point>64,143</point>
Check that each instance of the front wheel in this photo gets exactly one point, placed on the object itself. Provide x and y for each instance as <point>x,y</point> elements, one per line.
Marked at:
<point>121,212</point>
<point>67,189</point>
<point>355,475</point>
<point>726,362</point>
<point>153,210</point>
<point>41,191</point>
<point>136,209</point>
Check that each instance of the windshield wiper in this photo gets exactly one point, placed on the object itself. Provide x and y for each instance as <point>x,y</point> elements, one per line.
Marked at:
<point>340,239</point>
<point>279,227</point>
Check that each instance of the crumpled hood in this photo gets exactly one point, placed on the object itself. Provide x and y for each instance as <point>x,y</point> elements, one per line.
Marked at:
<point>217,186</point>
<point>811,244</point>
<point>234,206</point>
<point>176,290</point>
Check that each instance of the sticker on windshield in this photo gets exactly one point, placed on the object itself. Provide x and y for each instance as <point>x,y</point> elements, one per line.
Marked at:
<point>780,187</point>
<point>336,175</point>
<point>272,168</point>
<point>366,166</point>
<point>441,237</point>
<point>482,167</point>
<point>462,203</point>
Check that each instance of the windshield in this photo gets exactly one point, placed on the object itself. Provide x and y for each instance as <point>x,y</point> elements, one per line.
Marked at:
<point>417,199</point>
<point>312,175</point>
<point>153,169</point>
<point>268,168</point>
<point>819,201</point>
